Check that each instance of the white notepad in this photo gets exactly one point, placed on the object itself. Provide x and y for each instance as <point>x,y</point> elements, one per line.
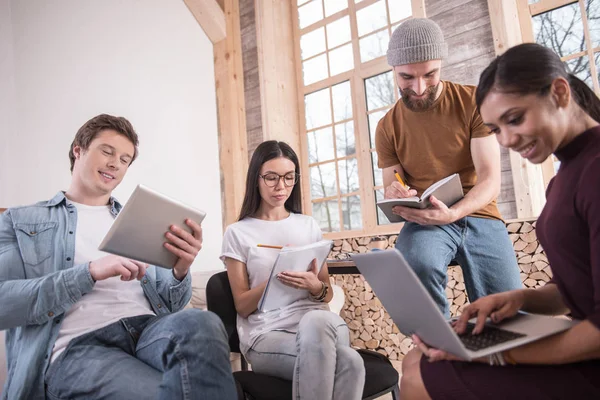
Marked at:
<point>278,295</point>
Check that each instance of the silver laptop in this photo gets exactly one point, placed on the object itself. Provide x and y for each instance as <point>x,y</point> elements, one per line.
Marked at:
<point>414,312</point>
<point>139,230</point>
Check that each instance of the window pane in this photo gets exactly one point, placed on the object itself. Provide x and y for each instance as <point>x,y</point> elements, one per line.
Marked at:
<point>379,90</point>
<point>377,174</point>
<point>580,67</point>
<point>300,2</point>
<point>333,6</point>
<point>342,101</point>
<point>344,137</point>
<point>381,218</point>
<point>374,45</point>
<point>318,109</point>
<point>399,9</point>
<point>341,59</point>
<point>348,170</point>
<point>351,213</point>
<point>373,120</point>
<point>315,69</point>
<point>327,215</point>
<point>320,145</point>
<point>338,32</point>
<point>310,13</point>
<point>593,15</point>
<point>371,18</point>
<point>313,43</point>
<point>322,181</point>
<point>560,29</point>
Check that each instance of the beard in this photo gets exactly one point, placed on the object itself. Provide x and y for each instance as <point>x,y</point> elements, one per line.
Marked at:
<point>423,104</point>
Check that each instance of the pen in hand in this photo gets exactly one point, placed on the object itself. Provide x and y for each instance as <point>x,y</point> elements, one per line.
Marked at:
<point>400,180</point>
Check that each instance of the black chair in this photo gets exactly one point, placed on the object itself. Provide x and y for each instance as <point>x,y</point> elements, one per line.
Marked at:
<point>381,377</point>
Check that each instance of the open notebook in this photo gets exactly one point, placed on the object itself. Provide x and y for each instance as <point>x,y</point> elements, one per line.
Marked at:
<point>448,191</point>
<point>278,295</point>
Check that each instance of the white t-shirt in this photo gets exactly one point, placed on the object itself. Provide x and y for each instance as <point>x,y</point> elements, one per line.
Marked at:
<point>111,299</point>
<point>240,243</point>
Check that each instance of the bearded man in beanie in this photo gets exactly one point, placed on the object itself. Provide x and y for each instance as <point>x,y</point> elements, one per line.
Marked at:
<point>432,132</point>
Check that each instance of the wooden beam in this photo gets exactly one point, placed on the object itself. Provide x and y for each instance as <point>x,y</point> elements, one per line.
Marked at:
<point>528,179</point>
<point>548,5</point>
<point>277,71</point>
<point>229,79</point>
<point>210,16</point>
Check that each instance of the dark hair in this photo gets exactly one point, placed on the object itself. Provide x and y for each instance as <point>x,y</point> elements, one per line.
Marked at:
<point>264,152</point>
<point>531,68</point>
<point>88,132</point>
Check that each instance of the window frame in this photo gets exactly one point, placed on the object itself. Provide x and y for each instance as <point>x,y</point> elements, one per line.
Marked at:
<point>356,78</point>
<point>526,13</point>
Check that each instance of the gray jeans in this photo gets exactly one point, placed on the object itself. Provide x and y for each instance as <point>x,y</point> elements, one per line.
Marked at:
<point>318,359</point>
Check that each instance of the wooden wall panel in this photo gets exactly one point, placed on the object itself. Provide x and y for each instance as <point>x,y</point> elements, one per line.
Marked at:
<point>231,114</point>
<point>252,96</point>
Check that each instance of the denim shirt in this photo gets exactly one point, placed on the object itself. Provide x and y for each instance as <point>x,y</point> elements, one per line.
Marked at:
<point>39,283</point>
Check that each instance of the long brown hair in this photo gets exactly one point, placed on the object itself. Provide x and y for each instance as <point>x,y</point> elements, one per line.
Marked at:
<point>264,152</point>
<point>531,68</point>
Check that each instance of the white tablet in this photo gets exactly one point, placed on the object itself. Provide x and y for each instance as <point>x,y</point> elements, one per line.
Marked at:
<point>139,230</point>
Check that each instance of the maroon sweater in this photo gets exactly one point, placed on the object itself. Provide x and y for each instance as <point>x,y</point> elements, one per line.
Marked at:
<point>569,226</point>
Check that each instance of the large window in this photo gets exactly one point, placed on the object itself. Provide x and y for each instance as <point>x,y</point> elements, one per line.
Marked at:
<point>571,28</point>
<point>346,87</point>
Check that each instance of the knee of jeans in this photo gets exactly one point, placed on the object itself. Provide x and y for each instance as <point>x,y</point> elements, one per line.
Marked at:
<point>426,268</point>
<point>354,362</point>
<point>203,324</point>
<point>316,323</point>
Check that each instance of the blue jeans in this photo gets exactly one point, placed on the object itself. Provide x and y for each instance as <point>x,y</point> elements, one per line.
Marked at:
<point>318,359</point>
<point>480,246</point>
<point>183,355</point>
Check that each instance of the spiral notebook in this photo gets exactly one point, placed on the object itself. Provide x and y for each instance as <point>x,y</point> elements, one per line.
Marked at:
<point>278,295</point>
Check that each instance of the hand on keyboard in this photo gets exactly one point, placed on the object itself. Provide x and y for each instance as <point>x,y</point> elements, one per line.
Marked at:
<point>497,307</point>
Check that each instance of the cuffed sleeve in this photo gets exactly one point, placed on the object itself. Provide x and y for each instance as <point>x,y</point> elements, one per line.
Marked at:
<point>384,145</point>
<point>232,247</point>
<point>173,292</point>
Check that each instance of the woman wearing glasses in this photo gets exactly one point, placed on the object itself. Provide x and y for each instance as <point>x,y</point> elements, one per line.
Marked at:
<point>303,342</point>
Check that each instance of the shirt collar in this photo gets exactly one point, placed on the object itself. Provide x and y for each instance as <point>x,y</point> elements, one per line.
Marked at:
<point>59,198</point>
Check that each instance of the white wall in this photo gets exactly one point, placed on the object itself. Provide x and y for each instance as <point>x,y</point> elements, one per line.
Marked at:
<point>147,60</point>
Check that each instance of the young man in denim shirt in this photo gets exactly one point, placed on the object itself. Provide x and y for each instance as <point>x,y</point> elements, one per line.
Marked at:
<point>83,324</point>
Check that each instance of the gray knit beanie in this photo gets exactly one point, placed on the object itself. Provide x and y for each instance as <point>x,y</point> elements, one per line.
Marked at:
<point>416,40</point>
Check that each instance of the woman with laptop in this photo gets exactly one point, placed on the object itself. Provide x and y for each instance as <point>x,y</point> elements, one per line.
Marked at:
<point>537,109</point>
<point>303,341</point>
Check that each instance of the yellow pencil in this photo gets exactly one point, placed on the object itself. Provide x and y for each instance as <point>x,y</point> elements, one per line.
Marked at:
<point>268,246</point>
<point>400,180</point>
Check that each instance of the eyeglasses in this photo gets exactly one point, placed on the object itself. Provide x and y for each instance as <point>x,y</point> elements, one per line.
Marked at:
<point>272,179</point>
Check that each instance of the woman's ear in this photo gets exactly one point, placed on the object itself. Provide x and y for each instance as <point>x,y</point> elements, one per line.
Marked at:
<point>561,92</point>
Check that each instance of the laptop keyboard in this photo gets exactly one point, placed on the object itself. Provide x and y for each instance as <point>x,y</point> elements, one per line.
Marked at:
<point>490,336</point>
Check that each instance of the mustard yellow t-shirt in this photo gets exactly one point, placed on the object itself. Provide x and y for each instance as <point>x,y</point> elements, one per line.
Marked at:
<point>433,144</point>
